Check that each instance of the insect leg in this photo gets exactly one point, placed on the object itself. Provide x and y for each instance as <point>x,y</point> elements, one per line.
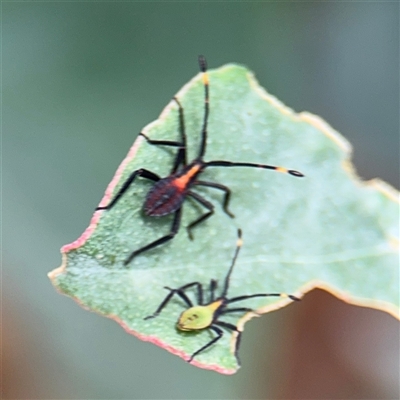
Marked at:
<point>203,68</point>
<point>183,136</point>
<point>181,155</point>
<point>240,298</point>
<point>199,291</point>
<point>174,229</point>
<point>213,286</point>
<point>239,309</point>
<point>219,163</point>
<point>144,173</point>
<point>171,143</point>
<point>220,187</point>
<point>202,218</point>
<point>180,292</point>
<point>218,331</point>
<point>232,327</point>
<point>163,304</point>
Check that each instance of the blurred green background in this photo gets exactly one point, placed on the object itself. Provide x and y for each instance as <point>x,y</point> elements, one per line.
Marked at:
<point>80,80</point>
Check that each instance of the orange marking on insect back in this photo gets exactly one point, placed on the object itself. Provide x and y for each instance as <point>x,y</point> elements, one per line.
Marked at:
<point>183,181</point>
<point>281,169</point>
<point>205,79</point>
<point>214,305</point>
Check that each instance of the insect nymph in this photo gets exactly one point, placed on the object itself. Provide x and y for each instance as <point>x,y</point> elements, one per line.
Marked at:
<point>168,194</point>
<point>205,315</point>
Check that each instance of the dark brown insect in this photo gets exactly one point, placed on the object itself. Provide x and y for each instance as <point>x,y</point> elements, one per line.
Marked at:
<point>168,194</point>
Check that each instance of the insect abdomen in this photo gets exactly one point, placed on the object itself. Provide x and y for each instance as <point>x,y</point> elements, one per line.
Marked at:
<point>163,198</point>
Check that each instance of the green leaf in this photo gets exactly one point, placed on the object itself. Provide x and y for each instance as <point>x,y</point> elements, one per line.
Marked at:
<point>327,230</point>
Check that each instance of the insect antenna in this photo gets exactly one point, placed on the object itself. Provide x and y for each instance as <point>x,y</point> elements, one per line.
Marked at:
<point>228,275</point>
<point>203,69</point>
<point>220,163</point>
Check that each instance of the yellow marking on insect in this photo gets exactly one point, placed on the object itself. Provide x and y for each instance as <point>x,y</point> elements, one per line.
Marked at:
<point>198,317</point>
<point>239,243</point>
<point>281,169</point>
<point>214,305</point>
<point>284,295</point>
<point>182,182</point>
<point>205,78</point>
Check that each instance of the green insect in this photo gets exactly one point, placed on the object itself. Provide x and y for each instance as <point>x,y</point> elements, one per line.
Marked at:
<point>206,315</point>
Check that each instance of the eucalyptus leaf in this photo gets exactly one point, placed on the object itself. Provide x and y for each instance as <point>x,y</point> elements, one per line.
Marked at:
<point>328,229</point>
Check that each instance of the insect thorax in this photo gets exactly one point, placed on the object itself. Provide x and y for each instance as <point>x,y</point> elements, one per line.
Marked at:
<point>168,194</point>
